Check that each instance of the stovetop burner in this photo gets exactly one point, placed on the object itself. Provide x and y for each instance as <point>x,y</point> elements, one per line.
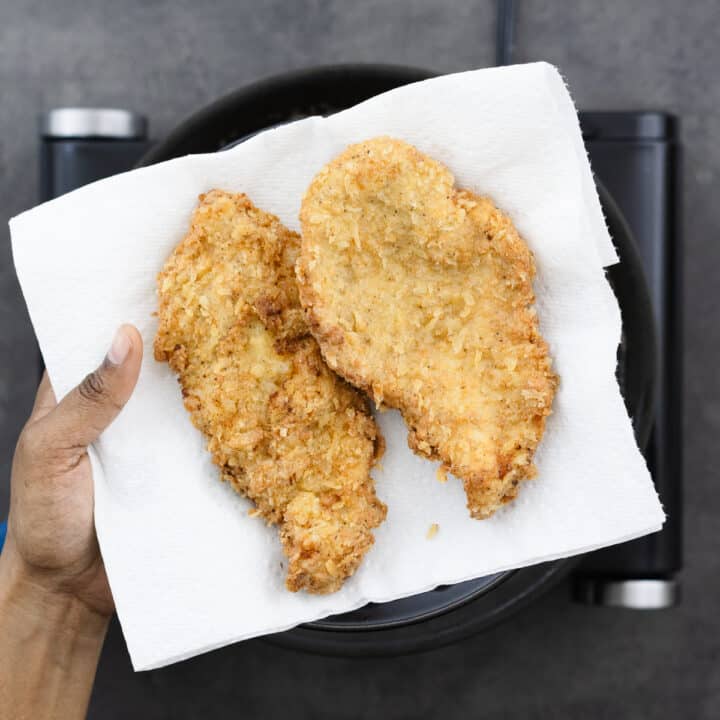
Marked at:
<point>633,155</point>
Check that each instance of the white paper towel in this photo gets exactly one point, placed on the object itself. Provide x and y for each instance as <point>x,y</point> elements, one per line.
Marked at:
<point>189,570</point>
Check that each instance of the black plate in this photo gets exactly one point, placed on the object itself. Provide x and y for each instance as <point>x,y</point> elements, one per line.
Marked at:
<point>449,612</point>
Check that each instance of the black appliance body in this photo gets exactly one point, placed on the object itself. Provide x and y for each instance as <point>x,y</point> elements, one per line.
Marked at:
<point>634,157</point>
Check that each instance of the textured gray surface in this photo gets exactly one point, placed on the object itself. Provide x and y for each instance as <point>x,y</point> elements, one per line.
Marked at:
<point>171,56</point>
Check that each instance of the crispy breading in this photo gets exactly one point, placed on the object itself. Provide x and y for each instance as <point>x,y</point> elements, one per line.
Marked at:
<point>421,294</point>
<point>284,430</point>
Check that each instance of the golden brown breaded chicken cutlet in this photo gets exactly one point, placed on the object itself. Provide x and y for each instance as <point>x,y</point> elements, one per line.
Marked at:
<point>421,294</point>
<point>284,430</point>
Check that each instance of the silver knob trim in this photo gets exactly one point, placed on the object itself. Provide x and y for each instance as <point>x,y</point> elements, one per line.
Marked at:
<point>645,594</point>
<point>101,123</point>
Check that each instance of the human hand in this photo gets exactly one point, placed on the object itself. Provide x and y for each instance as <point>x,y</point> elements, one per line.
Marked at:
<point>55,601</point>
<point>51,543</point>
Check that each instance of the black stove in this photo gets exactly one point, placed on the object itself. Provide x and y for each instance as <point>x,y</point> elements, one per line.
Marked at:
<point>635,158</point>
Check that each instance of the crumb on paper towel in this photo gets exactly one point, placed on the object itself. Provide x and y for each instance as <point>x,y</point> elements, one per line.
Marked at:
<point>253,512</point>
<point>441,474</point>
<point>433,531</point>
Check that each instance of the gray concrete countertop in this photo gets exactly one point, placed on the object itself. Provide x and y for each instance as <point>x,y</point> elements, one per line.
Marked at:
<point>169,57</point>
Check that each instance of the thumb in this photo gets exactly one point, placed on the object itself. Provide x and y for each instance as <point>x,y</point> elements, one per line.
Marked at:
<point>88,409</point>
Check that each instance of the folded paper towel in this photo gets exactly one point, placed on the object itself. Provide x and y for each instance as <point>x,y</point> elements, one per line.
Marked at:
<point>189,570</point>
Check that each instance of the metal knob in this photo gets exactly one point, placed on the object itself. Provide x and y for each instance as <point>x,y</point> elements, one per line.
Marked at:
<point>646,594</point>
<point>101,123</point>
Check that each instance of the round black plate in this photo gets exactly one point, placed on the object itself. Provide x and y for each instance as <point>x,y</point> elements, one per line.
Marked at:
<point>446,613</point>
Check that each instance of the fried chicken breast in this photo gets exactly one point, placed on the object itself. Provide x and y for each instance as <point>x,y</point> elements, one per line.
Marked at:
<point>421,294</point>
<point>284,430</point>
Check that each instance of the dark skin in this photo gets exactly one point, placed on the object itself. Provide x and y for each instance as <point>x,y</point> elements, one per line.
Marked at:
<point>55,601</point>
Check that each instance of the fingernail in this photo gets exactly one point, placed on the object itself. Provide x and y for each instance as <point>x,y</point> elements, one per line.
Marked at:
<point>120,347</point>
